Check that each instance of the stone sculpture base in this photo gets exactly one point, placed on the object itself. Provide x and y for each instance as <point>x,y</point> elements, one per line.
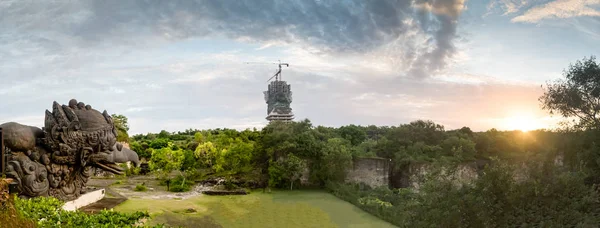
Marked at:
<point>84,200</point>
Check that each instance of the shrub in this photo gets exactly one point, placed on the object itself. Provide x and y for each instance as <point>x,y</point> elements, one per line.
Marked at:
<point>180,188</point>
<point>8,214</point>
<point>180,184</point>
<point>47,212</point>
<point>140,188</point>
<point>229,185</point>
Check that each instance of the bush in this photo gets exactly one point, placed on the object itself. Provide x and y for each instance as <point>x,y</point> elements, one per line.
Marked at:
<point>180,188</point>
<point>178,184</point>
<point>140,188</point>
<point>47,212</point>
<point>9,217</point>
<point>229,185</point>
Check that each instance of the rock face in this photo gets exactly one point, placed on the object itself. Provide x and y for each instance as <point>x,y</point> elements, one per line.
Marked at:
<point>415,175</point>
<point>56,160</point>
<point>374,172</point>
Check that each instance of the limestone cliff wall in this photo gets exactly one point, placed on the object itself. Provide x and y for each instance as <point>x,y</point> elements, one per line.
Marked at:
<point>374,172</point>
<point>415,175</point>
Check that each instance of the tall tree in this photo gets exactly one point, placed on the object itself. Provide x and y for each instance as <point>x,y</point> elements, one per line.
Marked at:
<point>122,125</point>
<point>577,95</point>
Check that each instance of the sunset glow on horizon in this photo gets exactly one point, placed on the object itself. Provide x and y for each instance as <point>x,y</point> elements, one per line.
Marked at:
<point>523,122</point>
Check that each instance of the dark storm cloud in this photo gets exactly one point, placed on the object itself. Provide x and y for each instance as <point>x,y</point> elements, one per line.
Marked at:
<point>334,27</point>
<point>446,14</point>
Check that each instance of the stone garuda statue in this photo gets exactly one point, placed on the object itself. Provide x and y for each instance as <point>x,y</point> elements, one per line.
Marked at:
<point>57,159</point>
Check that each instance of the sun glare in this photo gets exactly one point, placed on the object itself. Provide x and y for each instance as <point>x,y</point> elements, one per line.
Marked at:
<point>521,122</point>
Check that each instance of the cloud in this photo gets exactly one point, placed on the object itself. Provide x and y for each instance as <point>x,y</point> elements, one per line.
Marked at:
<point>329,27</point>
<point>154,61</point>
<point>560,9</point>
<point>507,6</point>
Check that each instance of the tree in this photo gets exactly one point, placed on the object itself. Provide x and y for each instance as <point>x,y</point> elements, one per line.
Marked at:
<point>355,134</point>
<point>141,149</point>
<point>337,158</point>
<point>206,153</point>
<point>577,95</point>
<point>166,160</point>
<point>159,143</point>
<point>295,167</point>
<point>122,127</point>
<point>286,170</point>
<point>164,134</point>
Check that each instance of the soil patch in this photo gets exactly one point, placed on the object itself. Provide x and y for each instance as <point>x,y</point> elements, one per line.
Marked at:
<point>106,203</point>
<point>225,192</point>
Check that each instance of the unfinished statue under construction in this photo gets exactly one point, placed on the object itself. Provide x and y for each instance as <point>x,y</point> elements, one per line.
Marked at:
<point>278,98</point>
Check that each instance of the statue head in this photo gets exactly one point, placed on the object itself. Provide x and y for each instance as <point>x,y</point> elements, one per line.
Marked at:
<point>56,162</point>
<point>80,135</point>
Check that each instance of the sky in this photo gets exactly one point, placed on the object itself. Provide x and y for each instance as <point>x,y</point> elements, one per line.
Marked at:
<point>175,65</point>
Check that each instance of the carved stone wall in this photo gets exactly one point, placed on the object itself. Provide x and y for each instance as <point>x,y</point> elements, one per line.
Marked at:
<point>374,172</point>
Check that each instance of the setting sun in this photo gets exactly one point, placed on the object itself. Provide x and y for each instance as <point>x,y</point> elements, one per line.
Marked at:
<point>522,122</point>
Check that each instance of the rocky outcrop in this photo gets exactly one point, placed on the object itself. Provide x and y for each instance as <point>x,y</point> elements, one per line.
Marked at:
<point>374,172</point>
<point>416,174</point>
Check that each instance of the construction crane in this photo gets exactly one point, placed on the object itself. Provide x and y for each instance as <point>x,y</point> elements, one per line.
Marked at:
<point>277,75</point>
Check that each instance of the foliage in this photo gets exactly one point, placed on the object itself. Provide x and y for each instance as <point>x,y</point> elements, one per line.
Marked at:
<point>229,185</point>
<point>9,216</point>
<point>140,188</point>
<point>166,159</point>
<point>286,171</point>
<point>224,151</point>
<point>160,143</point>
<point>353,133</point>
<point>141,148</point>
<point>122,127</point>
<point>577,95</point>
<point>546,197</point>
<point>336,159</point>
<point>367,148</point>
<point>130,171</point>
<point>48,212</point>
<point>180,184</point>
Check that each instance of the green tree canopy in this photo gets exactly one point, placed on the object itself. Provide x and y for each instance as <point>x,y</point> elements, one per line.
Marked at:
<point>577,95</point>
<point>167,159</point>
<point>122,127</point>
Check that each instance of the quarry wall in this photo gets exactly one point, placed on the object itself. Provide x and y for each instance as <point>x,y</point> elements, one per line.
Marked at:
<point>415,175</point>
<point>374,172</point>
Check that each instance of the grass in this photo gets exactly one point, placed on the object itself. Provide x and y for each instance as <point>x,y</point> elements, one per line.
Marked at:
<point>278,209</point>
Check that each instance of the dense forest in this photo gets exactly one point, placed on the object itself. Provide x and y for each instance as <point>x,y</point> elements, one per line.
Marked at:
<point>276,156</point>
